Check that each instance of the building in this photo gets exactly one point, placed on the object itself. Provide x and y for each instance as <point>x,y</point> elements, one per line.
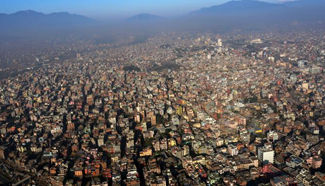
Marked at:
<point>266,154</point>
<point>315,162</point>
<point>219,43</point>
<point>232,150</point>
<point>302,63</point>
<point>2,152</point>
<point>272,136</point>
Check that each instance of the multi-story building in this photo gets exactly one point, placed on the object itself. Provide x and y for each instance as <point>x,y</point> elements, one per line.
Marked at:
<point>266,154</point>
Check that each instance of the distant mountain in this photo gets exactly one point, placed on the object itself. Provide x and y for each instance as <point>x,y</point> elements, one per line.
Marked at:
<point>239,7</point>
<point>250,7</point>
<point>252,13</point>
<point>306,3</point>
<point>307,9</point>
<point>145,17</point>
<point>31,21</point>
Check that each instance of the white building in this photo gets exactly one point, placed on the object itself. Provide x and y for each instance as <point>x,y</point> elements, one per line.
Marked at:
<point>232,150</point>
<point>272,136</point>
<point>266,154</point>
<point>219,43</point>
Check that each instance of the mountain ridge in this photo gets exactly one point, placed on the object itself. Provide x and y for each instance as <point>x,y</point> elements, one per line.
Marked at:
<point>244,6</point>
<point>29,21</point>
<point>21,16</point>
<point>237,6</point>
<point>244,14</point>
<point>144,17</point>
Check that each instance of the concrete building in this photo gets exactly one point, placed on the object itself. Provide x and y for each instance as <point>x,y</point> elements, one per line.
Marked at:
<point>266,154</point>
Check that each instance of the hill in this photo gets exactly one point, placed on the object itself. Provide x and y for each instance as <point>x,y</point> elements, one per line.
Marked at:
<point>29,21</point>
<point>144,17</point>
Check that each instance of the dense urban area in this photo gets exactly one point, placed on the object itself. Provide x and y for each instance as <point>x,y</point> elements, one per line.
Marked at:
<point>175,109</point>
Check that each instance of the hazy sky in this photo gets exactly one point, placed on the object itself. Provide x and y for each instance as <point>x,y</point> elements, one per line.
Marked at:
<point>103,8</point>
